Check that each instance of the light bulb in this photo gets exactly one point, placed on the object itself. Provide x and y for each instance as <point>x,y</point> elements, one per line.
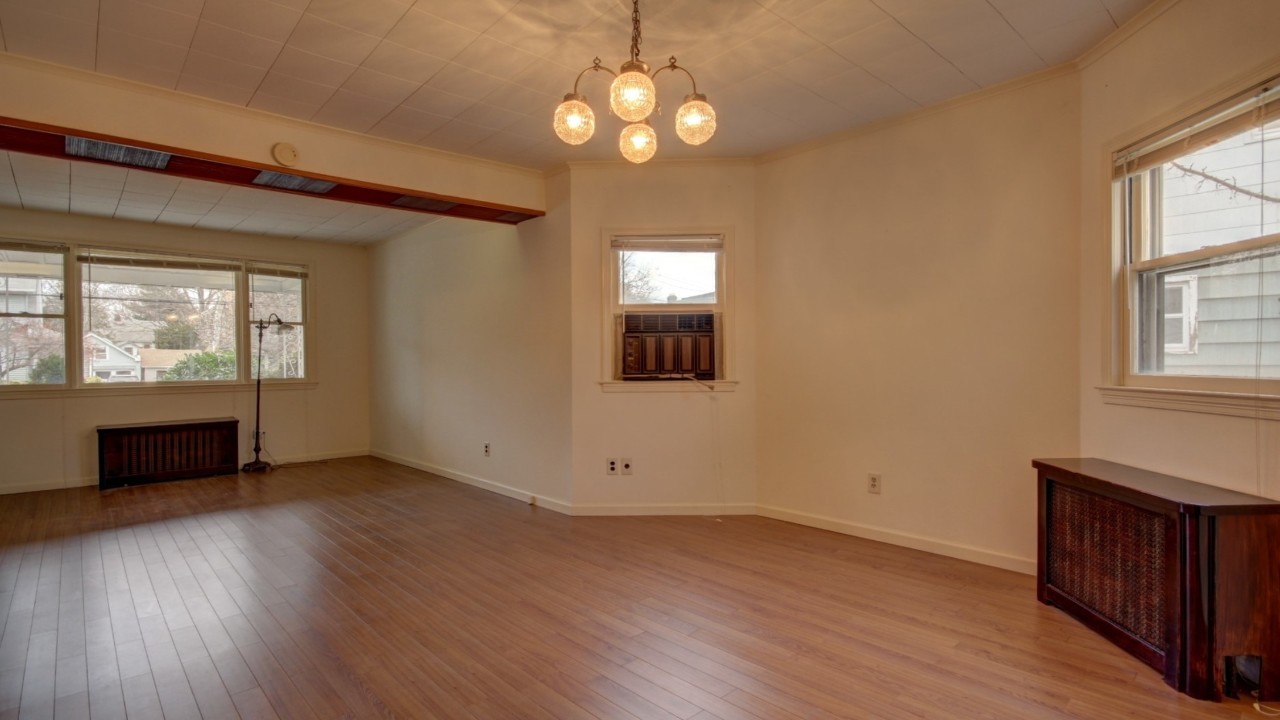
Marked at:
<point>695,120</point>
<point>574,122</point>
<point>632,96</point>
<point>638,142</point>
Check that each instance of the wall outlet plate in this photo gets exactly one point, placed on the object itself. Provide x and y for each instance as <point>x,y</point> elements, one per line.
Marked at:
<point>626,466</point>
<point>612,466</point>
<point>874,483</point>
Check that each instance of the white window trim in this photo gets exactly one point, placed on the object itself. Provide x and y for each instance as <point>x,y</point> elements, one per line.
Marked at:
<point>1187,285</point>
<point>1238,397</point>
<point>76,386</point>
<point>611,308</point>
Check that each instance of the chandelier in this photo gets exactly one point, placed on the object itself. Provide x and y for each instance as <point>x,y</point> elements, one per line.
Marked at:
<point>633,98</point>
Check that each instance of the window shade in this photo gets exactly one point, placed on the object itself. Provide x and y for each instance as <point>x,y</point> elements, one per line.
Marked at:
<point>167,262</point>
<point>1252,108</point>
<point>284,271</point>
<point>668,243</point>
<point>35,247</point>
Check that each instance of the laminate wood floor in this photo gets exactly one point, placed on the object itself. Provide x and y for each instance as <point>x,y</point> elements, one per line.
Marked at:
<point>360,588</point>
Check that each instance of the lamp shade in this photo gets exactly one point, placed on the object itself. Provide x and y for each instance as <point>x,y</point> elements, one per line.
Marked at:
<point>695,120</point>
<point>638,142</point>
<point>632,96</point>
<point>574,121</point>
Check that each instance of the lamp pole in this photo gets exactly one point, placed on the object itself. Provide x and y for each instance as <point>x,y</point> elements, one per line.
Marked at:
<point>258,464</point>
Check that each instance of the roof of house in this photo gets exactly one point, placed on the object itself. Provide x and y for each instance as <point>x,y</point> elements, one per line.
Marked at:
<point>156,358</point>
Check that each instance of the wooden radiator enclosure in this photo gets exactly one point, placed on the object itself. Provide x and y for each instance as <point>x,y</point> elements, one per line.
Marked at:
<point>153,452</point>
<point>1182,575</point>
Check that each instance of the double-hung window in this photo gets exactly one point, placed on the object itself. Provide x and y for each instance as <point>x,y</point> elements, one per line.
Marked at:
<point>33,323</point>
<point>667,300</point>
<point>278,290</point>
<point>1198,214</point>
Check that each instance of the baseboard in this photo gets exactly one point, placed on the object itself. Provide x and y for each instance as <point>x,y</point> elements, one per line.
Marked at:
<point>695,509</point>
<point>559,506</point>
<point>894,537</point>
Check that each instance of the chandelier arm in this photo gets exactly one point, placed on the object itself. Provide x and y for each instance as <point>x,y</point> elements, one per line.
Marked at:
<point>595,66</point>
<point>671,65</point>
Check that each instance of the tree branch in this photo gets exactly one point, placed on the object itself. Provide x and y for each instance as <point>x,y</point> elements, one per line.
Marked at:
<point>1224,183</point>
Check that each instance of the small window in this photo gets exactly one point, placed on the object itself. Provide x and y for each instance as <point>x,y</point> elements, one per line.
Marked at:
<point>667,301</point>
<point>278,291</point>
<point>32,314</point>
<point>1198,208</point>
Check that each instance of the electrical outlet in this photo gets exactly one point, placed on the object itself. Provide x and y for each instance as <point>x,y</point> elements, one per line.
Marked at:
<point>626,466</point>
<point>612,464</point>
<point>873,483</point>
<point>486,449</point>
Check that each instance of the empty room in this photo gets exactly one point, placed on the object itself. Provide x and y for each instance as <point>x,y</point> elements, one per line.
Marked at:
<point>640,359</point>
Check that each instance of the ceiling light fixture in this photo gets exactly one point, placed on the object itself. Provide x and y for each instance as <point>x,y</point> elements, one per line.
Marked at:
<point>633,98</point>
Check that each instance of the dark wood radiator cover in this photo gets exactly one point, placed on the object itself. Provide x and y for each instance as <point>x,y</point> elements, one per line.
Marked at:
<point>1182,575</point>
<point>153,452</point>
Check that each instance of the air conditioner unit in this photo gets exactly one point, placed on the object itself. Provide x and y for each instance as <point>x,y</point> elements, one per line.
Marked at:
<point>668,346</point>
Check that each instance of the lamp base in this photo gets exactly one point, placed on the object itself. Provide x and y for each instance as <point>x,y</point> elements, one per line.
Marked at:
<point>254,466</point>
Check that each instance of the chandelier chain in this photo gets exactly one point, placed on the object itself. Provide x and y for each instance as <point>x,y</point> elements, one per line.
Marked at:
<point>635,30</point>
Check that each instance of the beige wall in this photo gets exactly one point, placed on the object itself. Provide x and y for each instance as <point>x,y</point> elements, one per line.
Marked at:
<point>1196,52</point>
<point>49,441</point>
<point>693,451</point>
<point>471,345</point>
<point>918,304</point>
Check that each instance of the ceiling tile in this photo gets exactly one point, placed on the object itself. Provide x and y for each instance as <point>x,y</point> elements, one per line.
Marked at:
<point>373,17</point>
<point>148,21</point>
<point>296,89</point>
<point>381,87</point>
<point>831,20</point>
<point>332,41</point>
<point>31,31</point>
<point>234,94</point>
<point>314,68</point>
<point>438,102</point>
<point>1122,11</point>
<point>260,17</point>
<point>140,59</point>
<point>431,34</point>
<point>933,85</point>
<point>495,58</point>
<point>457,136</point>
<point>353,111</point>
<point>814,67</point>
<point>407,125</point>
<point>475,15</point>
<point>523,99</point>
<point>464,81</point>
<point>534,31</point>
<point>998,63</point>
<point>185,7</point>
<point>226,42</point>
<point>223,70</point>
<point>403,62</point>
<point>288,107</point>
<point>490,116</point>
<point>1068,41</point>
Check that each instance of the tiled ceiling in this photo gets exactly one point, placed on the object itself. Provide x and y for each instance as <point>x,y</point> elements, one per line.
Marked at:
<point>482,77</point>
<point>34,182</point>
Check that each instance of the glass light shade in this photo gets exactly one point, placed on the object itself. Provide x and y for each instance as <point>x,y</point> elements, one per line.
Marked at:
<point>632,96</point>
<point>574,122</point>
<point>696,120</point>
<point>638,142</point>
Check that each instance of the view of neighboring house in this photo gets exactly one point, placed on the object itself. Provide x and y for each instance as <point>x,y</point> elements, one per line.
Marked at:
<point>108,361</point>
<point>156,363</point>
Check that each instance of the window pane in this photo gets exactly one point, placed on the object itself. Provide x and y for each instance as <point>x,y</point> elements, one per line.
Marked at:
<point>30,282</point>
<point>1173,300</point>
<point>1236,308</point>
<point>31,351</point>
<point>181,323</point>
<point>654,277</point>
<point>1224,193</point>
<point>283,348</point>
<point>1173,331</point>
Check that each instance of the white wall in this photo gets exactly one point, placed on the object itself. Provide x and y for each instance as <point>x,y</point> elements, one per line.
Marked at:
<point>49,441</point>
<point>1196,52</point>
<point>471,345</point>
<point>693,452</point>
<point>918,302</point>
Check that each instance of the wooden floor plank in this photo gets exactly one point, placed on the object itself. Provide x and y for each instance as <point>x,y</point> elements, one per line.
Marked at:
<point>360,588</point>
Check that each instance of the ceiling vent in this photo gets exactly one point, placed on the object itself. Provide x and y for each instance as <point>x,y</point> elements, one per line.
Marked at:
<point>284,181</point>
<point>119,154</point>
<point>421,203</point>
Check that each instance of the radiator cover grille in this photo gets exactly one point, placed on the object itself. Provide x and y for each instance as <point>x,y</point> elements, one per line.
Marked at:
<point>153,452</point>
<point>1111,557</point>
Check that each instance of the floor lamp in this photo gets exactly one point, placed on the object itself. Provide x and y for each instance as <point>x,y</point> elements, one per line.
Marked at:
<point>258,464</point>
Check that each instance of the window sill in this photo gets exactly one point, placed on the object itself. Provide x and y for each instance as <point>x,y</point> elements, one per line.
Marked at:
<point>1266,407</point>
<point>23,392</point>
<point>667,386</point>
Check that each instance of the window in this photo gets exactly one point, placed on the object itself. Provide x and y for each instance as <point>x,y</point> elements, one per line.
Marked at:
<point>667,303</point>
<point>33,324</point>
<point>183,303</point>
<point>1198,213</point>
<point>278,290</point>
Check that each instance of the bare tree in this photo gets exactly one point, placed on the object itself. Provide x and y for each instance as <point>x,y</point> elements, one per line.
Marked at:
<point>638,282</point>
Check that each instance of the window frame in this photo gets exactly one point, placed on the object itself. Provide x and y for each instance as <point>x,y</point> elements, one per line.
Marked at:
<point>22,245</point>
<point>683,239</point>
<point>1135,221</point>
<point>73,305</point>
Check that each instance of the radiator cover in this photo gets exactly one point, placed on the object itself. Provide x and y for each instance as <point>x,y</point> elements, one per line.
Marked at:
<point>173,450</point>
